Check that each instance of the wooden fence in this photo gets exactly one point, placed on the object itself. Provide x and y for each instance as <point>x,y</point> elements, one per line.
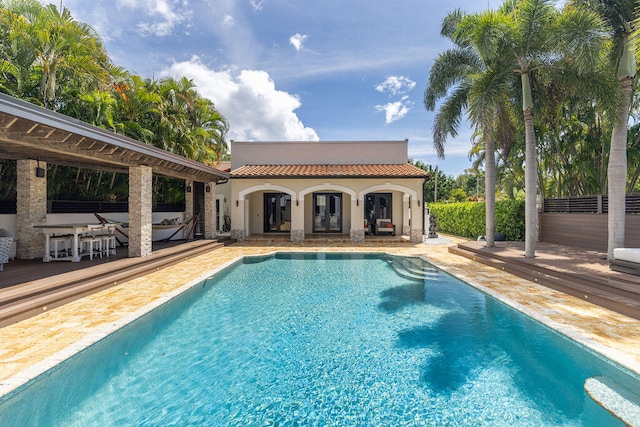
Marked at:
<point>583,221</point>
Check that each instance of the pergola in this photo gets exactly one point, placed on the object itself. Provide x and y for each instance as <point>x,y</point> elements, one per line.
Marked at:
<point>35,136</point>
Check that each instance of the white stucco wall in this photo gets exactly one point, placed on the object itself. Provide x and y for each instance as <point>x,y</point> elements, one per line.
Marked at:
<point>250,194</point>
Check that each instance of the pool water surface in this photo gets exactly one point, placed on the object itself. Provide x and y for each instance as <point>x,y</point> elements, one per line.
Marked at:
<point>324,339</point>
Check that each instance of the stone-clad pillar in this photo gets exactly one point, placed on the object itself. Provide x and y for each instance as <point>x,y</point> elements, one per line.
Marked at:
<point>31,209</point>
<point>357,220</point>
<point>140,211</point>
<point>416,221</point>
<point>406,226</point>
<point>210,210</point>
<point>297,219</point>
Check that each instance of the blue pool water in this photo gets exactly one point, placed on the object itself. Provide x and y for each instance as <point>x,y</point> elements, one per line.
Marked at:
<point>323,339</point>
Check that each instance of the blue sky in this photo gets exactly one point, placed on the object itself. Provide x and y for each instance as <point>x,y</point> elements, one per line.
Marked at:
<point>294,69</point>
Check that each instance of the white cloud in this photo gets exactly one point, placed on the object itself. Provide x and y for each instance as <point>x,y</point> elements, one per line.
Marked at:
<point>163,15</point>
<point>228,20</point>
<point>257,4</point>
<point>249,100</point>
<point>396,85</point>
<point>395,110</point>
<point>297,40</point>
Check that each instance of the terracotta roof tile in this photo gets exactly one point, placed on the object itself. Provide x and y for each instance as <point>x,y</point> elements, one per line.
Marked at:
<point>404,170</point>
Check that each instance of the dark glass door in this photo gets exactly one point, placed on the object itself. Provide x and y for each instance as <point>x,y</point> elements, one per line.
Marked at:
<point>327,208</point>
<point>198,209</point>
<point>377,206</point>
<point>277,212</point>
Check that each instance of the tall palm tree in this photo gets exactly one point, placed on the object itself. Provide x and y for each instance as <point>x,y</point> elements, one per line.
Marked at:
<point>620,16</point>
<point>473,82</point>
<point>531,36</point>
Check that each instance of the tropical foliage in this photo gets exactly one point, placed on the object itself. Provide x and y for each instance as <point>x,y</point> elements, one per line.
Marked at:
<point>50,59</point>
<point>574,66</point>
<point>467,219</point>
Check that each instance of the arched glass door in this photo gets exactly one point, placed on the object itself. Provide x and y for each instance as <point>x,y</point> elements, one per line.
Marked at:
<point>327,212</point>
<point>277,212</point>
<point>377,206</point>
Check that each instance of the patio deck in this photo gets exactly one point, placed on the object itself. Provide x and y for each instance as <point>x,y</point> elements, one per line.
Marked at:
<point>29,287</point>
<point>582,273</point>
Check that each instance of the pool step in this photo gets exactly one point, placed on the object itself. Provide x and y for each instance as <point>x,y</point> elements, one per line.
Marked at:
<point>411,268</point>
<point>620,402</point>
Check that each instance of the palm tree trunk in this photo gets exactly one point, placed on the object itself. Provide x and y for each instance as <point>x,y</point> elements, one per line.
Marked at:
<point>617,171</point>
<point>530,187</point>
<point>531,171</point>
<point>490,191</point>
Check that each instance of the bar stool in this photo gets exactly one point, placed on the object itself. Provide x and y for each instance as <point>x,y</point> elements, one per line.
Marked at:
<point>108,241</point>
<point>91,242</point>
<point>60,246</point>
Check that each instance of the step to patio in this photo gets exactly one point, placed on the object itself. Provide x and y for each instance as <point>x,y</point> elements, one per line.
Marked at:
<point>614,294</point>
<point>31,298</point>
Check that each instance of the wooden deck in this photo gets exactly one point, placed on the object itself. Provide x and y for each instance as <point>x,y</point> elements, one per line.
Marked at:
<point>28,287</point>
<point>579,272</point>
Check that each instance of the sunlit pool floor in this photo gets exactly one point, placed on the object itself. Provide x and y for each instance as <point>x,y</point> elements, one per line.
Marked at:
<point>32,346</point>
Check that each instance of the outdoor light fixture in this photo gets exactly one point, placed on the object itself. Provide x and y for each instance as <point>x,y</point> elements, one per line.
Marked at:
<point>297,202</point>
<point>39,170</point>
<point>237,203</point>
<point>189,187</point>
<point>418,202</point>
<point>207,189</point>
<point>357,202</point>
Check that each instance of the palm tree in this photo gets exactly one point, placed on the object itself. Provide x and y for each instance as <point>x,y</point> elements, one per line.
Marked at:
<point>620,16</point>
<point>530,37</point>
<point>61,49</point>
<point>471,78</point>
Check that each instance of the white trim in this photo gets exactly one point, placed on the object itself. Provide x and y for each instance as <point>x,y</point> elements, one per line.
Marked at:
<point>327,186</point>
<point>266,187</point>
<point>394,187</point>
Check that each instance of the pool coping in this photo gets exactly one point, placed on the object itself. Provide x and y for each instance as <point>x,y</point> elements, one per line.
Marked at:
<point>430,253</point>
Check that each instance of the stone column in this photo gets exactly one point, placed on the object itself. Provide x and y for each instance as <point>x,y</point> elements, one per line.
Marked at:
<point>31,209</point>
<point>416,221</point>
<point>237,220</point>
<point>357,220</point>
<point>140,211</point>
<point>406,222</point>
<point>188,208</point>
<point>210,210</point>
<point>297,220</point>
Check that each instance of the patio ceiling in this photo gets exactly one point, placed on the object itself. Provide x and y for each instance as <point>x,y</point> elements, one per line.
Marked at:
<point>31,132</point>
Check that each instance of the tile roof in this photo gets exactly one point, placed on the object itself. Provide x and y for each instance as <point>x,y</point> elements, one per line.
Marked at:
<point>404,170</point>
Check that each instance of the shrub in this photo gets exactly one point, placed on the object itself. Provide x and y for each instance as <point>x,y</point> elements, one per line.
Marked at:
<point>467,219</point>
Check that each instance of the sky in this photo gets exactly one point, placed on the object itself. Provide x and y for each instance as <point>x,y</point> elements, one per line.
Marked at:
<point>332,70</point>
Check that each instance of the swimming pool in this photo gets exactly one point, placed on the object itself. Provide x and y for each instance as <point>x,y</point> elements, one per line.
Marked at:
<point>323,339</point>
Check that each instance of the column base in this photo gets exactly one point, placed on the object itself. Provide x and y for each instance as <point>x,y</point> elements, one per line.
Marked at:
<point>357,236</point>
<point>238,235</point>
<point>416,236</point>
<point>297,236</point>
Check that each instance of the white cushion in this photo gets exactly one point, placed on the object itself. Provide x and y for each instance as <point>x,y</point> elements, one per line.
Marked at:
<point>627,254</point>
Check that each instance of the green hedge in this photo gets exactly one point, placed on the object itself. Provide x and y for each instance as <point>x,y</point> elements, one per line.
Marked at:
<point>467,219</point>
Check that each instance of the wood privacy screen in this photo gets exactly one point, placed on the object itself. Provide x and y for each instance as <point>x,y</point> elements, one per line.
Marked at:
<point>582,222</point>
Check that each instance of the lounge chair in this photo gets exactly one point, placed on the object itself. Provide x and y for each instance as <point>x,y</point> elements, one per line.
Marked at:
<point>384,226</point>
<point>626,260</point>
